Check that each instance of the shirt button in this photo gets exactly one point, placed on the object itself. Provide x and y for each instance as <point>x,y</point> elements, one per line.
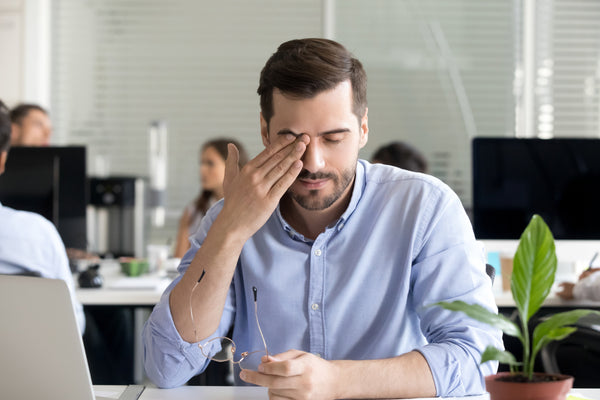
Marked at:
<point>341,226</point>
<point>315,306</point>
<point>317,252</point>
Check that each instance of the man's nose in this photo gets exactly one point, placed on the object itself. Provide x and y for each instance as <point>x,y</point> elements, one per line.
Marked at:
<point>313,158</point>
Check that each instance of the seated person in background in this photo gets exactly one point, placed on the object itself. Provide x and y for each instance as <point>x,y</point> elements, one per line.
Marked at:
<point>212,171</point>
<point>586,288</point>
<point>337,258</point>
<point>401,155</point>
<point>29,243</point>
<point>31,126</point>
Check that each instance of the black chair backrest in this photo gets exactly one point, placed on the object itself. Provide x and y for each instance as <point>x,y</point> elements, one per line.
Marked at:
<point>491,271</point>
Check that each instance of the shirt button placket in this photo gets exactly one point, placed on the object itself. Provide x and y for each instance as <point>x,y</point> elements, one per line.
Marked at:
<point>317,340</point>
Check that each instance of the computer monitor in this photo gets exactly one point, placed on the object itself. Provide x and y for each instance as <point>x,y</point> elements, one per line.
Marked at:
<point>514,178</point>
<point>50,181</point>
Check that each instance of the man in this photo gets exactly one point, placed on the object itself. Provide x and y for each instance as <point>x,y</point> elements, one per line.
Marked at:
<point>345,257</point>
<point>31,126</point>
<point>29,243</point>
<point>401,155</point>
<point>586,288</point>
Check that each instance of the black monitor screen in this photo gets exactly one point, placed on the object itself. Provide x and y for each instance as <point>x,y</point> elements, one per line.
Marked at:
<point>50,181</point>
<point>515,178</point>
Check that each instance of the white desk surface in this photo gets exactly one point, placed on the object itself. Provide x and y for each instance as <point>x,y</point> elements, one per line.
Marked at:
<point>135,291</point>
<point>505,299</point>
<point>119,289</point>
<point>248,393</point>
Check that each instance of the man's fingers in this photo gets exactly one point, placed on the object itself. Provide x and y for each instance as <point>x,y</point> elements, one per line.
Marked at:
<point>271,150</point>
<point>231,164</point>
<point>287,355</point>
<point>282,185</point>
<point>281,162</point>
<point>270,381</point>
<point>286,364</point>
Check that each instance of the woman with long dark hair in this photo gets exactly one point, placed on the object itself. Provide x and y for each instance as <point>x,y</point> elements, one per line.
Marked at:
<point>212,171</point>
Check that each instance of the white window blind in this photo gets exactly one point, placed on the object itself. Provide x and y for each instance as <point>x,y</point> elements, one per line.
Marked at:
<point>440,72</point>
<point>567,65</point>
<point>120,64</point>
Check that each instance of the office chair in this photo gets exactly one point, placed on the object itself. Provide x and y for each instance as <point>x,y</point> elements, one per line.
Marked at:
<point>577,355</point>
<point>491,271</point>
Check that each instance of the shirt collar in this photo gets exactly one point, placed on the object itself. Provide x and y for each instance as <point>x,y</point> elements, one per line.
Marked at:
<point>357,192</point>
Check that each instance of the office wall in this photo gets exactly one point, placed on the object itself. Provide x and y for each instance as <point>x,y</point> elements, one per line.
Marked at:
<point>118,65</point>
<point>25,51</point>
<point>440,72</point>
<point>11,44</point>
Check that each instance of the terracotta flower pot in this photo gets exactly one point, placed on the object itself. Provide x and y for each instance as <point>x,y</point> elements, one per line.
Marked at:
<point>506,390</point>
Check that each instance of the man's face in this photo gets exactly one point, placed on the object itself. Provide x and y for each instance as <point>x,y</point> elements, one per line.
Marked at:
<point>34,130</point>
<point>335,139</point>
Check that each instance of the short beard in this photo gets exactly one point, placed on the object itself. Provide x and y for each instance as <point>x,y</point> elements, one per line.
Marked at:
<point>311,201</point>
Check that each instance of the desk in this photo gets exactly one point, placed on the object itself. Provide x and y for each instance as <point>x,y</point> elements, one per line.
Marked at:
<point>248,393</point>
<point>141,294</point>
<point>108,295</point>
<point>505,300</point>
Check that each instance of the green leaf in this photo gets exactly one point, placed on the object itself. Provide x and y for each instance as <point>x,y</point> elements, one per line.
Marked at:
<point>481,314</point>
<point>534,268</point>
<point>491,353</point>
<point>553,328</point>
<point>550,336</point>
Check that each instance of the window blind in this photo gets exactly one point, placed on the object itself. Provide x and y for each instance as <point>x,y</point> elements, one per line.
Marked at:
<point>120,64</point>
<point>567,65</point>
<point>440,72</point>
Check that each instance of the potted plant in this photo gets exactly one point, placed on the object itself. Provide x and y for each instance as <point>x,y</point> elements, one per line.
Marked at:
<point>534,268</point>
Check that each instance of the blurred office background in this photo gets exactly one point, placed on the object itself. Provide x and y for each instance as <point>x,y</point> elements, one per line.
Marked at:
<point>440,73</point>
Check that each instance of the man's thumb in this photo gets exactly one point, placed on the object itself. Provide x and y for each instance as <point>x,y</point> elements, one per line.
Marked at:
<point>232,161</point>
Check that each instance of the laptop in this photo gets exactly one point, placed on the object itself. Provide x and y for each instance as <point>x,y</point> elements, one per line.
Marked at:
<point>42,354</point>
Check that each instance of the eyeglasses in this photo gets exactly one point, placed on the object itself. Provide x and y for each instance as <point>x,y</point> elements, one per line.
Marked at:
<point>247,359</point>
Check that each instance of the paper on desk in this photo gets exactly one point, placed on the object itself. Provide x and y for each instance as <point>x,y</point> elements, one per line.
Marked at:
<point>107,394</point>
<point>573,397</point>
<point>140,283</point>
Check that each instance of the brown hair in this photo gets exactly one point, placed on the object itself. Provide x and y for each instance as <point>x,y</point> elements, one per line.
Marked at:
<point>19,112</point>
<point>5,127</point>
<point>401,155</point>
<point>220,145</point>
<point>306,67</point>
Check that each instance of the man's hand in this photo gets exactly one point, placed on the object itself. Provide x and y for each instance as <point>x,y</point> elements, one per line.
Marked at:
<point>295,375</point>
<point>252,193</point>
<point>588,272</point>
<point>566,291</point>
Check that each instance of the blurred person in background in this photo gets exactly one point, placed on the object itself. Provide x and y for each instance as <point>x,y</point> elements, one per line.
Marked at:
<point>30,126</point>
<point>587,286</point>
<point>401,155</point>
<point>29,243</point>
<point>212,171</point>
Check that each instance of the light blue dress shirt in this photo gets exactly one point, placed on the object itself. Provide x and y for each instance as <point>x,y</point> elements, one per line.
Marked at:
<point>30,243</point>
<point>359,291</point>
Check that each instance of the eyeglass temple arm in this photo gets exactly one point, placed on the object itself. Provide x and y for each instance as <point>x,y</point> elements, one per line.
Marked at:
<point>255,292</point>
<point>191,308</point>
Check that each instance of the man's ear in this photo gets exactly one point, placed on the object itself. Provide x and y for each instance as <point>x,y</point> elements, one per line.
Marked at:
<point>3,157</point>
<point>15,133</point>
<point>364,129</point>
<point>264,131</point>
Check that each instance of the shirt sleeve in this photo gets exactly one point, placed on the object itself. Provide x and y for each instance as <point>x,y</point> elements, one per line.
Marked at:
<point>169,360</point>
<point>588,288</point>
<point>451,266</point>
